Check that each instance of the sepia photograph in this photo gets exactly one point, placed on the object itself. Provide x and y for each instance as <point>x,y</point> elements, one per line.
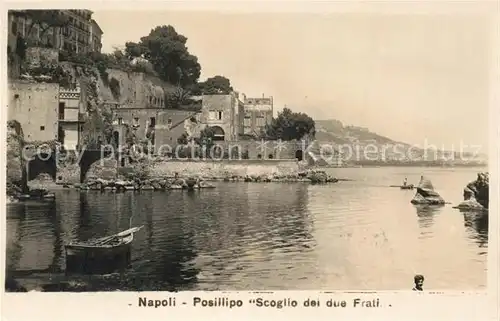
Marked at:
<point>204,150</point>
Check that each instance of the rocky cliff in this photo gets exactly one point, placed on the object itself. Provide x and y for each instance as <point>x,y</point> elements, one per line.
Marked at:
<point>16,172</point>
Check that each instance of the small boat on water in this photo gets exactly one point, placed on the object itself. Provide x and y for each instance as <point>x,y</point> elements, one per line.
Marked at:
<point>411,186</point>
<point>100,255</point>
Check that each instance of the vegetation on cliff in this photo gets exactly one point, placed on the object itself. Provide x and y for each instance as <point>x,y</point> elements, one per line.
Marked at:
<point>218,85</point>
<point>167,51</point>
<point>49,73</point>
<point>181,98</point>
<point>290,126</point>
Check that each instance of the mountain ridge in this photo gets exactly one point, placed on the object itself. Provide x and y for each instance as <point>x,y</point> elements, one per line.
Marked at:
<point>384,149</point>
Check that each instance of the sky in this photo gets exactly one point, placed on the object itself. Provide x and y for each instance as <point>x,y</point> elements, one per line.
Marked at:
<point>413,78</point>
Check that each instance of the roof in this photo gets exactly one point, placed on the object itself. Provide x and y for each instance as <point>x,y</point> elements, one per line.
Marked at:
<point>94,23</point>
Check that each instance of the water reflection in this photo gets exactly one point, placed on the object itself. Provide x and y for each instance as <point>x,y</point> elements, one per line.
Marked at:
<point>426,214</point>
<point>243,236</point>
<point>55,220</point>
<point>476,224</point>
<point>33,237</point>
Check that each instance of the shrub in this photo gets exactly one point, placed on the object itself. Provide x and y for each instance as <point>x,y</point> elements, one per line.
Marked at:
<point>114,86</point>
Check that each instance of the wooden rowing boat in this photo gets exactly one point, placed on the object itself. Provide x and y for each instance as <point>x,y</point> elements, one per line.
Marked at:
<point>102,255</point>
<point>411,186</point>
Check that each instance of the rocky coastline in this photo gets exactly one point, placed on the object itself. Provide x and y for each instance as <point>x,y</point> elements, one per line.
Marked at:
<point>193,182</point>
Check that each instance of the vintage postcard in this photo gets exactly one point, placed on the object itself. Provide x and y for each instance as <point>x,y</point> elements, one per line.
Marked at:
<point>251,159</point>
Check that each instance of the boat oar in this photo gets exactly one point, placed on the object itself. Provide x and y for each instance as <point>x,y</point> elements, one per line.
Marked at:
<point>115,236</point>
<point>105,240</point>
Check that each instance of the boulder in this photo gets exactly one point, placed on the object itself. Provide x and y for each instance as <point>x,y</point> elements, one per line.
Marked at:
<point>426,195</point>
<point>38,193</point>
<point>157,186</point>
<point>317,177</point>
<point>478,190</point>
<point>42,181</point>
<point>190,182</point>
<point>470,204</point>
<point>203,184</point>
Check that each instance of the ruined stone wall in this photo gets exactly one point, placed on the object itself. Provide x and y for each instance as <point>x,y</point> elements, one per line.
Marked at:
<point>35,107</point>
<point>265,149</point>
<point>15,163</point>
<point>136,90</point>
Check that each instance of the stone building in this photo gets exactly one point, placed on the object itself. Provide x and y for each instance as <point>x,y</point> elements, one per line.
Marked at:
<point>70,118</point>
<point>81,35</point>
<point>95,36</point>
<point>139,104</point>
<point>219,113</point>
<point>239,114</point>
<point>172,124</point>
<point>258,112</point>
<point>35,107</point>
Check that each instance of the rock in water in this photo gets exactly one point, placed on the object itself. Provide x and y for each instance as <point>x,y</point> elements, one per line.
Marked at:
<point>477,192</point>
<point>426,194</point>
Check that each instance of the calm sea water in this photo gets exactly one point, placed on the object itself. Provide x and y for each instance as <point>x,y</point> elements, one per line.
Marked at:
<point>247,236</point>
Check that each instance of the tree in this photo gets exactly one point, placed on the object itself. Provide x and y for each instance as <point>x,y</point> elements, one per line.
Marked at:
<point>167,52</point>
<point>206,138</point>
<point>134,50</point>
<point>177,98</point>
<point>217,85</point>
<point>289,126</point>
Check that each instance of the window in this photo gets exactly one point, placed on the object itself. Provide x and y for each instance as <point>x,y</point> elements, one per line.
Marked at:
<point>211,115</point>
<point>23,24</point>
<point>219,115</point>
<point>152,122</point>
<point>42,128</point>
<point>120,120</point>
<point>259,121</point>
<point>61,110</point>
<point>14,28</point>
